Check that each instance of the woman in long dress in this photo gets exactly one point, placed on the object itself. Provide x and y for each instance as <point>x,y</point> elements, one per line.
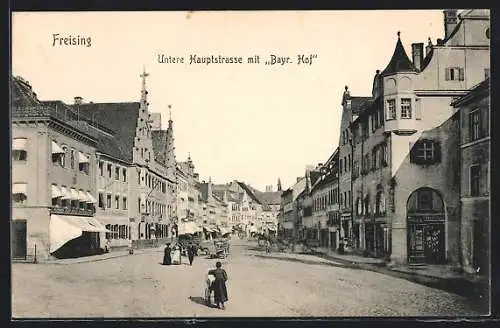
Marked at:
<point>167,258</point>
<point>219,285</point>
<point>176,256</point>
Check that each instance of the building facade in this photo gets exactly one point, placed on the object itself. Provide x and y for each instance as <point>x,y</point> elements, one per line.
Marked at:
<point>475,172</point>
<point>403,199</point>
<point>53,181</point>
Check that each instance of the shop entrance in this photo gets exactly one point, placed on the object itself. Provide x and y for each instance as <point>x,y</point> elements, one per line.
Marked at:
<point>426,227</point>
<point>18,235</point>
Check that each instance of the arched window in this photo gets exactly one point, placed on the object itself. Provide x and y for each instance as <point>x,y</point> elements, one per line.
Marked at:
<point>425,200</point>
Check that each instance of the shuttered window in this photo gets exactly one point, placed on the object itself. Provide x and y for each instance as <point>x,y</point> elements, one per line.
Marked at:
<point>454,74</point>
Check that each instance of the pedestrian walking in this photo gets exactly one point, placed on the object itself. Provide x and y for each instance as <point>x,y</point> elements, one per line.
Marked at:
<point>167,257</point>
<point>219,285</point>
<point>191,251</point>
<point>268,247</point>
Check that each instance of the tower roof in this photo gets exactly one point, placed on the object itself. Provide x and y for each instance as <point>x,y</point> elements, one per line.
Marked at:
<point>399,61</point>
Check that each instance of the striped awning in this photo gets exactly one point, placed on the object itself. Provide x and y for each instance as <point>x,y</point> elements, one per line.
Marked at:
<point>74,194</point>
<point>65,193</point>
<point>56,149</point>
<point>82,196</point>
<point>20,188</point>
<point>19,143</point>
<point>56,192</point>
<point>91,198</point>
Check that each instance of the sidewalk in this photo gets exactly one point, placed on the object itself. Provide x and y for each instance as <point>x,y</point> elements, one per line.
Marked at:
<point>101,257</point>
<point>442,277</point>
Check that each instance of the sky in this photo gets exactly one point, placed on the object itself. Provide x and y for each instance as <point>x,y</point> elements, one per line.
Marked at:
<point>251,122</point>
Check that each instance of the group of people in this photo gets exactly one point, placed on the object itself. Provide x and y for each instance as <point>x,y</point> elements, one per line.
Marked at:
<point>172,255</point>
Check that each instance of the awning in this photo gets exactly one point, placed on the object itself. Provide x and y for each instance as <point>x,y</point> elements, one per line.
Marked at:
<point>56,149</point>
<point>19,188</point>
<point>74,194</point>
<point>224,231</point>
<point>82,158</point>
<point>65,193</point>
<point>91,198</point>
<point>63,228</point>
<point>82,196</point>
<point>19,143</point>
<point>56,192</point>
<point>188,228</point>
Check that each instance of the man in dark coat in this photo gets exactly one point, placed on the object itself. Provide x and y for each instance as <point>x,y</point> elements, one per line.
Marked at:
<point>167,258</point>
<point>219,285</point>
<point>191,251</point>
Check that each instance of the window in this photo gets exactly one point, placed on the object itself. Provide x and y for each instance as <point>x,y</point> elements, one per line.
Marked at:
<point>475,126</point>
<point>454,74</point>
<point>117,173</point>
<point>406,108</point>
<point>109,170</point>
<point>101,200</point>
<point>139,204</point>
<point>117,202</point>
<point>19,152</point>
<point>72,158</point>
<point>19,193</point>
<point>375,158</point>
<point>83,163</point>
<point>424,200</point>
<point>124,175</point>
<point>101,168</point>
<point>19,155</point>
<point>391,109</point>
<point>340,166</point>
<point>475,179</point>
<point>383,155</point>
<point>380,203</point>
<point>425,152</point>
<point>486,73</point>
<point>108,201</point>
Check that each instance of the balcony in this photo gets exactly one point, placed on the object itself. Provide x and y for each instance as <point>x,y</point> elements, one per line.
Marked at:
<point>72,211</point>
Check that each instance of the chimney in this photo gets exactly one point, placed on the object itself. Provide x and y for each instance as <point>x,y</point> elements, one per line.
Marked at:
<point>78,100</point>
<point>428,47</point>
<point>450,21</point>
<point>417,53</point>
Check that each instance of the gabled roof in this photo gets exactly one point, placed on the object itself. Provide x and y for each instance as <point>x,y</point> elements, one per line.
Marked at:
<point>358,104</point>
<point>249,191</point>
<point>399,61</point>
<point>120,118</point>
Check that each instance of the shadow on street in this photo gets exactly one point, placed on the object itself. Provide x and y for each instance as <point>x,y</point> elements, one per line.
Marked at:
<point>201,301</point>
<point>272,257</point>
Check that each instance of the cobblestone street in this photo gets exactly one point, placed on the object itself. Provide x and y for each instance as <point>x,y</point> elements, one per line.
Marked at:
<point>296,285</point>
